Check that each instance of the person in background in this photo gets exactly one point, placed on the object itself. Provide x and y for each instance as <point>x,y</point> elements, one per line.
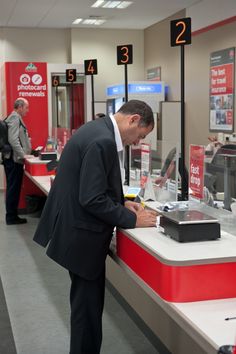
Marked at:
<point>99,115</point>
<point>13,162</point>
<point>213,146</point>
<point>84,205</point>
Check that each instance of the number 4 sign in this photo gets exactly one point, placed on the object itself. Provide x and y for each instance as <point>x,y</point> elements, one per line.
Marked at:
<point>180,31</point>
<point>90,67</point>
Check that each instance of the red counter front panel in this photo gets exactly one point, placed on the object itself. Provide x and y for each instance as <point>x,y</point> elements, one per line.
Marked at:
<point>184,283</point>
<point>38,169</point>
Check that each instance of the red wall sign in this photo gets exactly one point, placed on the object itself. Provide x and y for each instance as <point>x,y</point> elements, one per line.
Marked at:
<point>29,80</point>
<point>196,171</point>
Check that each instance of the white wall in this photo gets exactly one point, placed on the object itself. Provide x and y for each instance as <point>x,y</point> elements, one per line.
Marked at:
<point>30,44</point>
<point>208,12</point>
<point>101,45</point>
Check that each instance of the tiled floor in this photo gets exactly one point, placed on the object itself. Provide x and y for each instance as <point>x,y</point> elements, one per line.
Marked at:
<point>37,292</point>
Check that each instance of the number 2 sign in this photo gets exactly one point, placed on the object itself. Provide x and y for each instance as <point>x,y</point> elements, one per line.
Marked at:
<point>180,31</point>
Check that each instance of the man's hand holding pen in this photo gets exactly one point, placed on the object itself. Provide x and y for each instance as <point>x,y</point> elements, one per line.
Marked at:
<point>145,217</point>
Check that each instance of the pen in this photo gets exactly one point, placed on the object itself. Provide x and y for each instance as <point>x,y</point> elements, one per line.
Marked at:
<point>230,318</point>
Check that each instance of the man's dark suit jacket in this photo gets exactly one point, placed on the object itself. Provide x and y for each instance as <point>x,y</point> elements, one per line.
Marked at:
<point>85,201</point>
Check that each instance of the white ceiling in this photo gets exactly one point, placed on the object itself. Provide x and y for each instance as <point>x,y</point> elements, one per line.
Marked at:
<point>61,13</point>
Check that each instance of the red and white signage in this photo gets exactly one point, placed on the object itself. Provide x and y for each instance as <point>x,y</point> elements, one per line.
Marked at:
<point>222,90</point>
<point>196,171</point>
<point>29,81</point>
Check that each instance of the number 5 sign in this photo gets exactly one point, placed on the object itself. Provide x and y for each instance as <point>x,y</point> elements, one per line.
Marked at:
<point>180,31</point>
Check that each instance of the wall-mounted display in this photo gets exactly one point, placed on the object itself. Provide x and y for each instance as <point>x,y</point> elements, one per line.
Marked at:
<point>222,90</point>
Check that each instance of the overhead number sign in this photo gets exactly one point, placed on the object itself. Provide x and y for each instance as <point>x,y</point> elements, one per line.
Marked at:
<point>70,75</point>
<point>55,80</point>
<point>124,54</point>
<point>90,67</point>
<point>180,32</point>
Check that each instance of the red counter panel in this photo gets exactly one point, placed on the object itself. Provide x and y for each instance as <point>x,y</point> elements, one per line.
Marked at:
<point>178,283</point>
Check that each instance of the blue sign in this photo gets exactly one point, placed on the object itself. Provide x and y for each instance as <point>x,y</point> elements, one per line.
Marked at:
<point>116,90</point>
<point>135,89</point>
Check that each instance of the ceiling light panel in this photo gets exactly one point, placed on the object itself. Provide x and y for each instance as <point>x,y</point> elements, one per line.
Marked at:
<point>112,4</point>
<point>98,3</point>
<point>124,4</point>
<point>78,20</point>
<point>94,22</point>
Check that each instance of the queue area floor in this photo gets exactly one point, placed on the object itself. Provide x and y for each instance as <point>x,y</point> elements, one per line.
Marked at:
<point>34,308</point>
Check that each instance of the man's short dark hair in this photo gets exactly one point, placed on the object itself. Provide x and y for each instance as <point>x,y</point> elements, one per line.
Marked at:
<point>141,108</point>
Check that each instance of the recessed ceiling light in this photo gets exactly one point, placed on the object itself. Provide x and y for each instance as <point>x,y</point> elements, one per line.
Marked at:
<point>112,4</point>
<point>98,3</point>
<point>124,4</point>
<point>95,22</point>
<point>78,20</point>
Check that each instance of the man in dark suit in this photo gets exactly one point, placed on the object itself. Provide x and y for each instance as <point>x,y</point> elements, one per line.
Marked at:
<point>84,205</point>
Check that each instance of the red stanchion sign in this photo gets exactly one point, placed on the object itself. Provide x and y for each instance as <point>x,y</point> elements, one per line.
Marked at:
<point>196,171</point>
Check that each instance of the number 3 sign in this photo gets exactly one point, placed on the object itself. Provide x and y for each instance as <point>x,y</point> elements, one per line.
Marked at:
<point>180,31</point>
<point>125,54</point>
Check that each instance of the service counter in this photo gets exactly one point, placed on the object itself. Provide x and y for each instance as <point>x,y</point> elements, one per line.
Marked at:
<point>193,282</point>
<point>182,291</point>
<point>36,171</point>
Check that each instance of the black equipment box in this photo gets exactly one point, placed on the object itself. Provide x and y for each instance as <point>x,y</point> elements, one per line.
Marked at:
<point>189,225</point>
<point>48,155</point>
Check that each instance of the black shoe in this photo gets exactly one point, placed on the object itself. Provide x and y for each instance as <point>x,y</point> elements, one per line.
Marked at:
<point>16,221</point>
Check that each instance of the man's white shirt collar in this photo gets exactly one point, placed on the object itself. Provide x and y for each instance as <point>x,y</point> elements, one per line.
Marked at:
<point>119,147</point>
<point>118,140</point>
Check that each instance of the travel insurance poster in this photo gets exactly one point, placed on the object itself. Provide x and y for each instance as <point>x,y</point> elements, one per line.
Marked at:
<point>222,90</point>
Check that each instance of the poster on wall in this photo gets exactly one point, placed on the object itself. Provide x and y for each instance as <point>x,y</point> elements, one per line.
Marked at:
<point>222,90</point>
<point>154,73</point>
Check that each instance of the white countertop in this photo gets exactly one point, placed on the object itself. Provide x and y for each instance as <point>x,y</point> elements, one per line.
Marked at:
<point>36,160</point>
<point>176,253</point>
<point>43,182</point>
<point>208,318</point>
<point>202,320</point>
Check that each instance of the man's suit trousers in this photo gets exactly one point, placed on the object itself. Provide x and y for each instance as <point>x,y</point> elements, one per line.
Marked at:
<point>87,302</point>
<point>14,174</point>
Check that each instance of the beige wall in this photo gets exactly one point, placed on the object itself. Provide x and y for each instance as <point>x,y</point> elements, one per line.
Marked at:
<point>157,52</point>
<point>101,45</point>
<point>30,44</point>
<point>197,79</point>
<point>74,46</point>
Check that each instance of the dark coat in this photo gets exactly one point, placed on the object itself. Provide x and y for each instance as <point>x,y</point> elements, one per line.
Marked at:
<point>85,202</point>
